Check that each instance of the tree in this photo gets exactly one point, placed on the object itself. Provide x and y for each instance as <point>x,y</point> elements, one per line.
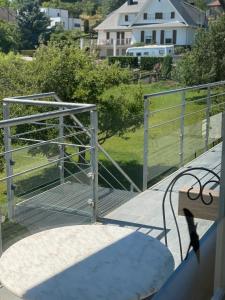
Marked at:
<point>33,24</point>
<point>206,61</point>
<point>9,37</point>
<point>77,77</point>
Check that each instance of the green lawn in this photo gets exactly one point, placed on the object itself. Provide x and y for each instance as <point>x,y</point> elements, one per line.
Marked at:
<point>164,140</point>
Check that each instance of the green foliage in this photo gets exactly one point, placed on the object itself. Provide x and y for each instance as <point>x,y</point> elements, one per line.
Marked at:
<point>166,67</point>
<point>9,36</point>
<point>88,7</point>
<point>124,61</point>
<point>206,62</point>
<point>14,75</point>
<point>32,24</point>
<point>179,50</point>
<point>76,77</point>
<point>68,37</point>
<point>148,63</point>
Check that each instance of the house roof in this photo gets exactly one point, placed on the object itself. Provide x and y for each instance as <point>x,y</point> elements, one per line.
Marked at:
<point>159,25</point>
<point>135,8</point>
<point>191,14</point>
<point>111,22</point>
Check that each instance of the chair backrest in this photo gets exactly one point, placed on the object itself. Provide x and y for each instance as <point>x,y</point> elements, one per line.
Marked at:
<point>200,195</point>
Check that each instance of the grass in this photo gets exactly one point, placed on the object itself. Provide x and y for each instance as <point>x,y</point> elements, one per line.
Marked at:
<point>164,140</point>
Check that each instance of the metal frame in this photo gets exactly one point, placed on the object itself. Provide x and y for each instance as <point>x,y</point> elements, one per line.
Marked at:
<point>182,91</point>
<point>64,109</point>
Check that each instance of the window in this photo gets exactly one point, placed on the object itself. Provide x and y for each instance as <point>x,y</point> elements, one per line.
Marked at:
<point>161,51</point>
<point>158,15</point>
<point>126,18</point>
<point>138,54</point>
<point>145,16</point>
<point>172,15</point>
<point>148,39</point>
<point>168,41</point>
<point>146,54</point>
<point>76,25</point>
<point>142,36</point>
<point>168,37</point>
<point>58,14</point>
<point>107,35</point>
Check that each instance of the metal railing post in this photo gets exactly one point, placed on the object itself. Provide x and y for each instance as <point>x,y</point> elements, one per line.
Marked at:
<point>183,107</point>
<point>146,146</point>
<point>0,233</point>
<point>208,119</point>
<point>219,277</point>
<point>61,149</point>
<point>9,163</point>
<point>94,161</point>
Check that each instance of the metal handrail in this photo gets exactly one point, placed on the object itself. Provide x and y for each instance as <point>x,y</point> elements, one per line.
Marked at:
<point>195,87</point>
<point>103,150</point>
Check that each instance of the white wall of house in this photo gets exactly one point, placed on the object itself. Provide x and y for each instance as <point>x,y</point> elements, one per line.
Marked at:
<point>131,19</point>
<point>185,35</point>
<point>61,16</point>
<point>162,6</point>
<point>55,12</point>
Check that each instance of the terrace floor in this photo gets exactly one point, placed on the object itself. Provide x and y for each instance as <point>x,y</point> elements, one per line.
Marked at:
<point>144,212</point>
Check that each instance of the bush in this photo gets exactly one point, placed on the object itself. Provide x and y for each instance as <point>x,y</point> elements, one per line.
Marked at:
<point>124,61</point>
<point>148,63</point>
<point>167,67</point>
<point>179,50</point>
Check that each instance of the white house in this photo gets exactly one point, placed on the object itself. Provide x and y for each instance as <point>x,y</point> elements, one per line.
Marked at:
<point>61,16</point>
<point>149,22</point>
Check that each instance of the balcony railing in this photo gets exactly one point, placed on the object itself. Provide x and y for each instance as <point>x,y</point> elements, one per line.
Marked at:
<point>119,42</point>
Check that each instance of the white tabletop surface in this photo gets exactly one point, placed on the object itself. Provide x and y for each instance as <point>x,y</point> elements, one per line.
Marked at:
<point>86,262</point>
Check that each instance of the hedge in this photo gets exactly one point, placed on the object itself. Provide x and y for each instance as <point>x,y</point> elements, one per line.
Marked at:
<point>27,52</point>
<point>124,61</point>
<point>148,63</point>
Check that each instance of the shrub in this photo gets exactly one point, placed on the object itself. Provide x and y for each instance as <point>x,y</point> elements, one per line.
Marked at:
<point>179,50</point>
<point>148,63</point>
<point>124,61</point>
<point>167,67</point>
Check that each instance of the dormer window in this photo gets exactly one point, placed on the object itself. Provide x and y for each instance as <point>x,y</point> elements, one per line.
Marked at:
<point>145,16</point>
<point>173,15</point>
<point>126,18</point>
<point>158,15</point>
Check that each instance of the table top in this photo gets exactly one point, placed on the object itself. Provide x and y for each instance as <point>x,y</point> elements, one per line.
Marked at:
<point>86,262</point>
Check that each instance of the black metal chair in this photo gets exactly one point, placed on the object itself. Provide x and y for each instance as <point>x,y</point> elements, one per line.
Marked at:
<point>189,217</point>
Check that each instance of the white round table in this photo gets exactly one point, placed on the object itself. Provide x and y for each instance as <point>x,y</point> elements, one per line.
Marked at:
<point>86,262</point>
